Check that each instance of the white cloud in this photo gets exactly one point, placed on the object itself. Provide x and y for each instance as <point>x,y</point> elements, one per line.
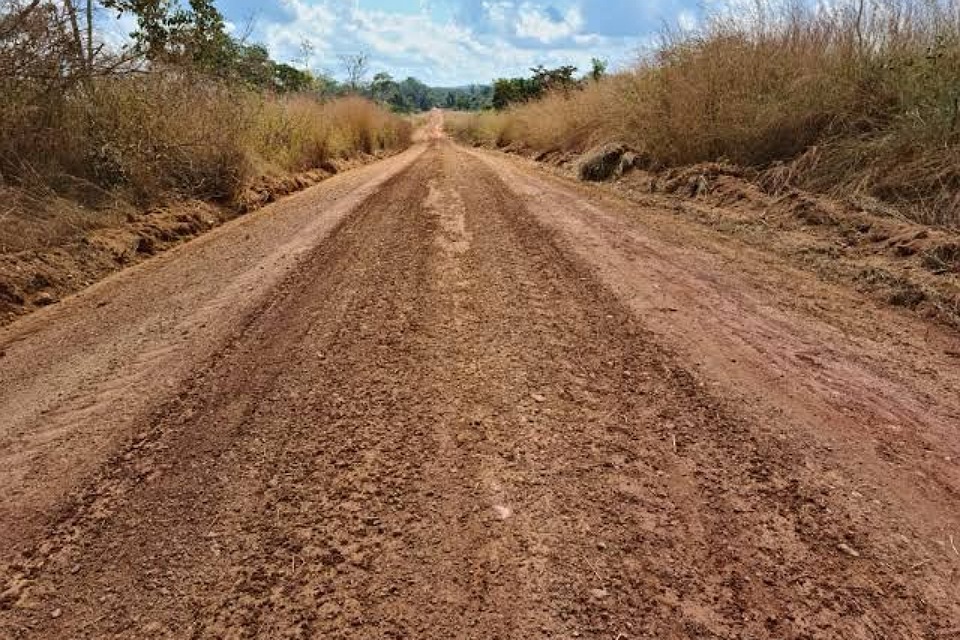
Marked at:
<point>474,41</point>
<point>687,20</point>
<point>537,24</point>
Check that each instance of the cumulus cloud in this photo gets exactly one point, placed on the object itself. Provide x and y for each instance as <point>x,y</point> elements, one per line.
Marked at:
<point>460,41</point>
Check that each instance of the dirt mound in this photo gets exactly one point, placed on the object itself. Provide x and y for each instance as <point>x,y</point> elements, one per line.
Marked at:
<point>601,163</point>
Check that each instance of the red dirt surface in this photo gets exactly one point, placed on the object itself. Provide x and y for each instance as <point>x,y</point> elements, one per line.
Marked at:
<point>447,395</point>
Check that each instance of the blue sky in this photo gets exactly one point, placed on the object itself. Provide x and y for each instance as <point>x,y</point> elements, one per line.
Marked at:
<point>453,42</point>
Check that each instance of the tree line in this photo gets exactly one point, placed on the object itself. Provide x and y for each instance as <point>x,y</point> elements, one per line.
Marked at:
<point>509,91</point>
<point>46,40</point>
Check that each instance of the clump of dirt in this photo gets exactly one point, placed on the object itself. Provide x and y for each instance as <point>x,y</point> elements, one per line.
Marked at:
<point>601,163</point>
<point>266,189</point>
<point>904,263</point>
<point>696,180</point>
<point>942,258</point>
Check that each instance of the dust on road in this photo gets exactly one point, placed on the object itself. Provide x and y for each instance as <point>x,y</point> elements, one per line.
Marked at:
<point>439,398</point>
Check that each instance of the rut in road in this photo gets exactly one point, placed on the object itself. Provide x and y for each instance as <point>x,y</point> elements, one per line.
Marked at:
<point>441,425</point>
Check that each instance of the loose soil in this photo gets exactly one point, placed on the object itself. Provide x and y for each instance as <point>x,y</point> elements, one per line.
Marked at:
<point>855,241</point>
<point>447,395</point>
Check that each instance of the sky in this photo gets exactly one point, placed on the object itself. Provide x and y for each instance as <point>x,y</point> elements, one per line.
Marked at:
<point>456,42</point>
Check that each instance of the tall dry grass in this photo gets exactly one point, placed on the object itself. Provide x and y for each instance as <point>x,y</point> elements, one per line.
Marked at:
<point>83,157</point>
<point>853,97</point>
<point>301,133</point>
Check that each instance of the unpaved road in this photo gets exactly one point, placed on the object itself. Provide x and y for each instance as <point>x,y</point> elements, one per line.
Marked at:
<point>448,396</point>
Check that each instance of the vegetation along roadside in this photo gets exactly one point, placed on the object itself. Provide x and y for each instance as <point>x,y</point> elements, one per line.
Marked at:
<point>110,154</point>
<point>828,133</point>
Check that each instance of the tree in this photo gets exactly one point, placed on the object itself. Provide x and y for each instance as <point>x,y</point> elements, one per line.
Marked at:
<point>553,79</point>
<point>168,32</point>
<point>598,69</point>
<point>417,94</point>
<point>253,66</point>
<point>155,21</point>
<point>82,49</point>
<point>383,88</point>
<point>305,53</point>
<point>507,91</point>
<point>355,68</point>
<point>205,39</point>
<point>324,85</point>
<point>289,79</point>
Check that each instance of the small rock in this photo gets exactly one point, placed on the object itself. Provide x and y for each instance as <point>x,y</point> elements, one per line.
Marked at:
<point>847,549</point>
<point>44,299</point>
<point>502,512</point>
<point>56,613</point>
<point>599,594</point>
<point>538,397</point>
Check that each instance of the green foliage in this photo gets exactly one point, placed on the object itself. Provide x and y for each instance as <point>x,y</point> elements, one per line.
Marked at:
<point>384,88</point>
<point>470,98</point>
<point>560,78</point>
<point>195,37</point>
<point>508,91</point>
<point>288,79</point>
<point>169,32</point>
<point>598,69</point>
<point>252,65</point>
<point>412,95</point>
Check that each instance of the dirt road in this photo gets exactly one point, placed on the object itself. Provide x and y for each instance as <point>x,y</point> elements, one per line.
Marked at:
<point>448,396</point>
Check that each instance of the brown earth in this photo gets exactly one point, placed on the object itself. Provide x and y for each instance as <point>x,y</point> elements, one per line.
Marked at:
<point>62,247</point>
<point>448,395</point>
<point>862,242</point>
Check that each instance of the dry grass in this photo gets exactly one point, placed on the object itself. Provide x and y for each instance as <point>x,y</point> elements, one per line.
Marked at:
<point>854,99</point>
<point>301,133</point>
<point>85,157</point>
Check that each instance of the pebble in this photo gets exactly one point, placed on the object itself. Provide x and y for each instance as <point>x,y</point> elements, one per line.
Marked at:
<point>56,613</point>
<point>599,594</point>
<point>847,549</point>
<point>44,299</point>
<point>538,397</point>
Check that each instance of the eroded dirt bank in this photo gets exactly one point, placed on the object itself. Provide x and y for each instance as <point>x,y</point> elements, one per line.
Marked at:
<point>449,397</point>
<point>71,259</point>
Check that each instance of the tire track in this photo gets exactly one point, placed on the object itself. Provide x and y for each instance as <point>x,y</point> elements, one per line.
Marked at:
<point>443,425</point>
